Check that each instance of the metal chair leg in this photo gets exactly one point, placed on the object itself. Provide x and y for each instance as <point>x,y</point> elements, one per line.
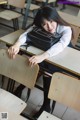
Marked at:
<point>15,24</point>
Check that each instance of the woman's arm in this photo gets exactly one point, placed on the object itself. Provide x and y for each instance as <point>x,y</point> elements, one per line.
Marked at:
<point>38,58</point>
<point>13,50</point>
<point>64,42</point>
<point>55,49</point>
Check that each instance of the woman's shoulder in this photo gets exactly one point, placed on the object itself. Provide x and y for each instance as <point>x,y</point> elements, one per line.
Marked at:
<point>62,28</point>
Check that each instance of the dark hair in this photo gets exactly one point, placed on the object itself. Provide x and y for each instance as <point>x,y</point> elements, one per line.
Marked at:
<point>49,13</point>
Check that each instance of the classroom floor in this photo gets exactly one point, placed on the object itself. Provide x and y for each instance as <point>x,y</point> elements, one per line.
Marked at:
<point>36,97</point>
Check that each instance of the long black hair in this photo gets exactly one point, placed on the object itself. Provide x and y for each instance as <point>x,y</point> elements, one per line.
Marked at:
<point>49,13</point>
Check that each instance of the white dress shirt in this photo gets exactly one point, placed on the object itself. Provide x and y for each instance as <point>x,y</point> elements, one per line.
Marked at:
<point>59,46</point>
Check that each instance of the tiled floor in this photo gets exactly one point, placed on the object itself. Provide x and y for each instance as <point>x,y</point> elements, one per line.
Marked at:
<point>36,97</point>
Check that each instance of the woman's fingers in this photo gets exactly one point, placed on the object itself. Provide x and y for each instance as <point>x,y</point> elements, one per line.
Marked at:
<point>12,51</point>
<point>32,61</point>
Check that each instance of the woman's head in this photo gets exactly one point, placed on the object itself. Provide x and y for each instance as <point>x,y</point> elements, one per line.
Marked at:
<point>48,18</point>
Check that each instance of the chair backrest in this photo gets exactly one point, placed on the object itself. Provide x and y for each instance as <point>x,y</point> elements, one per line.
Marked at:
<point>17,3</point>
<point>49,1</point>
<point>79,13</point>
<point>66,90</point>
<point>76,32</point>
<point>18,69</point>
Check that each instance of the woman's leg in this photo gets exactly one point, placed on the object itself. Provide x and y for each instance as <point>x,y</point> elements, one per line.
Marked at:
<point>46,84</point>
<point>18,90</point>
<point>46,102</point>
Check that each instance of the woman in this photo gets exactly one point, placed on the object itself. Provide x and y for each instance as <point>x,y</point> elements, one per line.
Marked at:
<point>48,19</point>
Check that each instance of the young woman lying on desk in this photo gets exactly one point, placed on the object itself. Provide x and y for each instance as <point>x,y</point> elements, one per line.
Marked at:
<point>48,19</point>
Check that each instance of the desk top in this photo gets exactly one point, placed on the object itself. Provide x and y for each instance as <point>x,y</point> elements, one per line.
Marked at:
<point>69,59</point>
<point>11,115</point>
<point>74,20</point>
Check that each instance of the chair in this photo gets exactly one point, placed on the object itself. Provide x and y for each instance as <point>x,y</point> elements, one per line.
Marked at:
<point>44,2</point>
<point>11,102</point>
<point>3,2</point>
<point>10,115</point>
<point>18,70</point>
<point>13,15</point>
<point>47,116</point>
<point>49,1</point>
<point>76,31</point>
<point>79,13</point>
<point>65,90</point>
<point>33,8</point>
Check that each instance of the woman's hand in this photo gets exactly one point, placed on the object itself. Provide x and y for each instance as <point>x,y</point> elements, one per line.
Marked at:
<point>13,50</point>
<point>37,58</point>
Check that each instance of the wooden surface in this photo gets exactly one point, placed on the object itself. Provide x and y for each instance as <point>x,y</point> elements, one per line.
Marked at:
<point>33,7</point>
<point>47,116</point>
<point>76,31</point>
<point>69,59</point>
<point>3,2</point>
<point>74,20</point>
<point>66,90</point>
<point>79,14</point>
<point>49,1</point>
<point>17,3</point>
<point>11,102</point>
<point>12,37</point>
<point>9,15</point>
<point>10,114</point>
<point>18,69</point>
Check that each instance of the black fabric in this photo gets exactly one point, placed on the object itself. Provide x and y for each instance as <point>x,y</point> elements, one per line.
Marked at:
<point>46,102</point>
<point>46,85</point>
<point>42,39</point>
<point>18,91</point>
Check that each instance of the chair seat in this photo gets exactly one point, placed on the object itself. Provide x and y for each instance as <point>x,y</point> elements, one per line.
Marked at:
<point>9,15</point>
<point>33,7</point>
<point>10,114</point>
<point>11,102</point>
<point>47,116</point>
<point>3,2</point>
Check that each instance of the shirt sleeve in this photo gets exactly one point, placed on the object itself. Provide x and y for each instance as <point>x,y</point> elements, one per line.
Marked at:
<point>64,42</point>
<point>23,37</point>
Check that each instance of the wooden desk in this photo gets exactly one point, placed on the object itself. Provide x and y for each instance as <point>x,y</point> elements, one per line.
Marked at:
<point>12,37</point>
<point>11,115</point>
<point>68,60</point>
<point>3,2</point>
<point>74,20</point>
